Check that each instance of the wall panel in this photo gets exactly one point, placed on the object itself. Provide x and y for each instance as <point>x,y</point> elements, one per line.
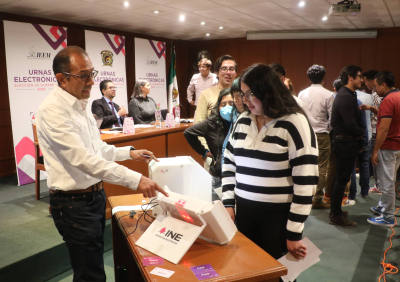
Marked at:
<point>252,52</point>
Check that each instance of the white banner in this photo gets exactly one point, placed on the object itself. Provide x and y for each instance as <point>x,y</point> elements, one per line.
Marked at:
<point>30,50</point>
<point>107,53</point>
<point>150,65</point>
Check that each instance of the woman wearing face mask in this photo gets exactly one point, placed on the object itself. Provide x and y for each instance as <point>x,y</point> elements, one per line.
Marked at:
<point>214,129</point>
<point>141,107</point>
<point>236,111</point>
<point>271,165</point>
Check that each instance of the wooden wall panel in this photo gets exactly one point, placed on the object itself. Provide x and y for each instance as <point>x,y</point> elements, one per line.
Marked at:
<point>387,56</point>
<point>318,52</point>
<point>274,51</point>
<point>368,51</point>
<point>341,53</point>
<point>252,52</point>
<point>296,65</point>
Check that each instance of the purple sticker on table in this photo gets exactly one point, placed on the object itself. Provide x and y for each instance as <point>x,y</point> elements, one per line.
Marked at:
<point>152,261</point>
<point>205,271</point>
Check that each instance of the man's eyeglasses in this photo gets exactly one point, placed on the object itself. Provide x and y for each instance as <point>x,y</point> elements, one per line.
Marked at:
<point>360,76</point>
<point>223,104</point>
<point>248,96</point>
<point>84,77</point>
<point>225,69</point>
<point>112,87</point>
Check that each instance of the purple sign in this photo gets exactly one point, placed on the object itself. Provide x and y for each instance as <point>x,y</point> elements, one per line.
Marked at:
<point>120,42</point>
<point>203,272</point>
<point>161,46</point>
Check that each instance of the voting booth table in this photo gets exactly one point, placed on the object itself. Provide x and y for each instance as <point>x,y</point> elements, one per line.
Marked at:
<point>238,260</point>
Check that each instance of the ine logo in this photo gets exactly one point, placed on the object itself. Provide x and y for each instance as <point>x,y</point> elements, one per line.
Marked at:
<point>33,54</point>
<point>151,62</point>
<point>169,235</point>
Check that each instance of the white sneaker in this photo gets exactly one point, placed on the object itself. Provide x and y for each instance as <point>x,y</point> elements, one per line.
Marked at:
<point>349,203</point>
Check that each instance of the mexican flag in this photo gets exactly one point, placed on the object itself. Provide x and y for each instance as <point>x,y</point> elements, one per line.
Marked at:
<point>173,94</point>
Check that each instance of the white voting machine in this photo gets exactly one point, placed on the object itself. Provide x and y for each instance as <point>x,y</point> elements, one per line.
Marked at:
<point>182,175</point>
<point>180,221</point>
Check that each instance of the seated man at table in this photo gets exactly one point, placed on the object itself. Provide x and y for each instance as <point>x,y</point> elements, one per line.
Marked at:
<point>106,109</point>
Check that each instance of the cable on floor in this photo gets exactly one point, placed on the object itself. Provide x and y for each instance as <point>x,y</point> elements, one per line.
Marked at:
<point>387,267</point>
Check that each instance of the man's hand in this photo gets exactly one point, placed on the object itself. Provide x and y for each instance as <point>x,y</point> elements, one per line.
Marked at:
<point>143,156</point>
<point>231,212</point>
<point>122,111</point>
<point>148,188</point>
<point>365,108</point>
<point>374,158</point>
<point>191,103</point>
<point>296,248</point>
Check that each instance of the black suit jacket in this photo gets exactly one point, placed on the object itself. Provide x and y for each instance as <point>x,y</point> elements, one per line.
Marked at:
<point>102,110</point>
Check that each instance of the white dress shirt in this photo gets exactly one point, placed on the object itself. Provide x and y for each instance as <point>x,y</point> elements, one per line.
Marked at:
<point>75,158</point>
<point>318,101</point>
<point>198,83</point>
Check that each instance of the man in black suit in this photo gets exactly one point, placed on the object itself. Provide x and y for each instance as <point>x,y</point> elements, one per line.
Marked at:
<point>106,109</point>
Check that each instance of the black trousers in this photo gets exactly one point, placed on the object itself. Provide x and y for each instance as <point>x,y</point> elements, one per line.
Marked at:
<point>346,151</point>
<point>80,219</point>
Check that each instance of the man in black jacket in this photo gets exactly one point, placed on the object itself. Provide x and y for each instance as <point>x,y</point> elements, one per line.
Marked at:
<point>106,109</point>
<point>346,139</point>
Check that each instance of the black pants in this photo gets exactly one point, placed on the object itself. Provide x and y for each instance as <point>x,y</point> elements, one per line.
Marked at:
<point>346,151</point>
<point>80,219</point>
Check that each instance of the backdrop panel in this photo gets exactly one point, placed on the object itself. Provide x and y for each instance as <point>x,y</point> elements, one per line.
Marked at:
<point>107,53</point>
<point>30,50</point>
<point>150,65</point>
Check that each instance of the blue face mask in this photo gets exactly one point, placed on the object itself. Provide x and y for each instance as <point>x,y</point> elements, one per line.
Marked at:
<point>226,113</point>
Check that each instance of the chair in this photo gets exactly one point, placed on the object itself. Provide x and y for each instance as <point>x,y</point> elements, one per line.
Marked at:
<point>39,162</point>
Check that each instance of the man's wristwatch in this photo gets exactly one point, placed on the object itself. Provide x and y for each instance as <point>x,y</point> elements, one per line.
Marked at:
<point>132,148</point>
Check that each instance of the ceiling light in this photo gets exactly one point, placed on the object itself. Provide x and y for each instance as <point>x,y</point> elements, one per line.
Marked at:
<point>182,18</point>
<point>325,18</point>
<point>126,4</point>
<point>302,3</point>
<point>156,12</point>
<point>203,23</point>
<point>221,27</point>
<point>207,34</point>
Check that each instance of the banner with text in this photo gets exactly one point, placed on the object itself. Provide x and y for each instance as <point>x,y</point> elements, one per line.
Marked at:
<point>150,66</point>
<point>107,53</point>
<point>30,50</point>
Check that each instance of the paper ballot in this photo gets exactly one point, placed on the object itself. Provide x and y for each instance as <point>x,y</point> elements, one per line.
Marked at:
<point>297,266</point>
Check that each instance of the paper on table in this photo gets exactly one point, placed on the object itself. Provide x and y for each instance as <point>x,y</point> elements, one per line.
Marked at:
<point>111,132</point>
<point>143,125</point>
<point>129,208</point>
<point>162,272</point>
<point>295,266</point>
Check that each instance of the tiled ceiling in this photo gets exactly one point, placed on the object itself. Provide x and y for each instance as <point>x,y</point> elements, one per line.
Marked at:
<point>235,16</point>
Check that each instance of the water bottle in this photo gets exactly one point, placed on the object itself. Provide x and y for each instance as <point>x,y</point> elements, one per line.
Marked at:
<point>158,116</point>
<point>177,114</point>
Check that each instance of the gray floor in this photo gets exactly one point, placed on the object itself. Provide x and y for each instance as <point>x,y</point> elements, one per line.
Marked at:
<point>348,254</point>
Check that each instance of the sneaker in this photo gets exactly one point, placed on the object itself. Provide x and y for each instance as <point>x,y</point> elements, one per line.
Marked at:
<point>375,190</point>
<point>381,221</point>
<point>326,199</point>
<point>342,221</point>
<point>377,210</point>
<point>349,203</point>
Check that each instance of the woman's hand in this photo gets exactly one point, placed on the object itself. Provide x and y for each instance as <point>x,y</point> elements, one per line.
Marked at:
<point>296,248</point>
<point>231,212</point>
<point>208,155</point>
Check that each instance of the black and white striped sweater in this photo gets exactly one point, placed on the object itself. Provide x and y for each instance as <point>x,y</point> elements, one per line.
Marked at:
<point>276,168</point>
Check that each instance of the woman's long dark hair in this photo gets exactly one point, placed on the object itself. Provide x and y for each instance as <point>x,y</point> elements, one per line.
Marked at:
<point>215,116</point>
<point>267,87</point>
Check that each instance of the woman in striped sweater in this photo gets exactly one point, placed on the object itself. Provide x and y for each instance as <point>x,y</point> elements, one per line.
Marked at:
<point>271,165</point>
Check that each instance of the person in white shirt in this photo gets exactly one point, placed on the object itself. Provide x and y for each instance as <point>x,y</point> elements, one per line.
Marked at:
<point>201,81</point>
<point>318,101</point>
<point>77,162</point>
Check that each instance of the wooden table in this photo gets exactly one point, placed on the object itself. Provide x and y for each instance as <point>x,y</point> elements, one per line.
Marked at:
<point>163,142</point>
<point>240,260</point>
